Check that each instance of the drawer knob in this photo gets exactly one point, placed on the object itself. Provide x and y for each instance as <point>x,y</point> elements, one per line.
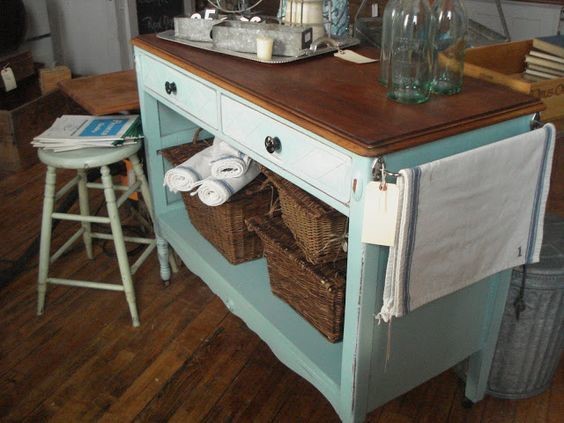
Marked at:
<point>170,87</point>
<point>272,144</point>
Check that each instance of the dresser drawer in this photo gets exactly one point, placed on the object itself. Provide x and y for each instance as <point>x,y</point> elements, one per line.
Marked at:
<point>321,166</point>
<point>183,91</point>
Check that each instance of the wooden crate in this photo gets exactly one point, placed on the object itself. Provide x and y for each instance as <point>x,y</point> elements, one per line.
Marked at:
<point>21,64</point>
<point>504,64</point>
<point>26,118</point>
<point>50,77</point>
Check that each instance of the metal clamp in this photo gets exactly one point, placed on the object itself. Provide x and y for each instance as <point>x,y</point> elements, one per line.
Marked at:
<point>536,122</point>
<point>379,169</point>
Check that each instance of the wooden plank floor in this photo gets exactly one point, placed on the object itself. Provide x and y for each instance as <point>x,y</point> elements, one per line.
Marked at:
<point>190,361</point>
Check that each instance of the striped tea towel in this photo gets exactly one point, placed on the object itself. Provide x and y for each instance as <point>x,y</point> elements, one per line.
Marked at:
<point>466,217</point>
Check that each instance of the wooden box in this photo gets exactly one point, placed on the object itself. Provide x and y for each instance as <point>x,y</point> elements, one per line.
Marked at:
<point>50,77</point>
<point>23,115</point>
<point>504,64</point>
<point>21,64</point>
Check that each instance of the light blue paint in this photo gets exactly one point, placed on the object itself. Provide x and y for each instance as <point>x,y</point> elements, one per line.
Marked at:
<point>352,374</point>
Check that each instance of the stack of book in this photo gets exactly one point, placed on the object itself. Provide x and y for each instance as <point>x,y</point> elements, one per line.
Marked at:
<point>74,132</point>
<point>546,58</point>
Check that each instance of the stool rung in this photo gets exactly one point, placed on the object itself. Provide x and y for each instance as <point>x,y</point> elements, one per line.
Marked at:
<point>80,218</point>
<point>70,184</point>
<point>85,284</point>
<point>66,245</point>
<point>98,185</point>
<point>133,188</point>
<point>143,257</point>
<point>138,240</point>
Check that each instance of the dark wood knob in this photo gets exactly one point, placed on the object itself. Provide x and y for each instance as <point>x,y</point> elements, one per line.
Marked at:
<point>272,144</point>
<point>170,87</point>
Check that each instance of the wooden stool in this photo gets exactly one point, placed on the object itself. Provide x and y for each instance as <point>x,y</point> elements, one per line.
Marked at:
<point>108,94</point>
<point>81,160</point>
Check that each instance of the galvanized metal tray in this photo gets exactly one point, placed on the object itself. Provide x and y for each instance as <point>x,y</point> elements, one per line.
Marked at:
<point>319,47</point>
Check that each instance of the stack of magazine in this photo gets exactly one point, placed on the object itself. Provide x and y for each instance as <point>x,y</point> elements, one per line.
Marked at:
<point>74,132</point>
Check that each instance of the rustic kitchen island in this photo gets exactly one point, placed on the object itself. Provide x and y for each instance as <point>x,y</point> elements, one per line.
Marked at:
<point>337,113</point>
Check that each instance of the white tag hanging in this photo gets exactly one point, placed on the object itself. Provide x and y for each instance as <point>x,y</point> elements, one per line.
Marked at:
<point>380,213</point>
<point>354,57</point>
<point>9,79</point>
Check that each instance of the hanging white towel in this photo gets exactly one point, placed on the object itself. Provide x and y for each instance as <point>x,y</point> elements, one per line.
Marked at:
<point>228,162</point>
<point>214,192</point>
<point>467,217</point>
<point>186,175</point>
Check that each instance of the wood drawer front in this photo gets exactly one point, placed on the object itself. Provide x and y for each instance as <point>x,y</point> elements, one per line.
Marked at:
<point>308,159</point>
<point>191,95</point>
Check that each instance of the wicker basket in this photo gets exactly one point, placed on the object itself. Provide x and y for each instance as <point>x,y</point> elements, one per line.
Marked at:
<point>224,226</point>
<point>320,231</point>
<point>317,292</point>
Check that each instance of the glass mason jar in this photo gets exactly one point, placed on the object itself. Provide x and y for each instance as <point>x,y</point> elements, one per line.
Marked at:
<point>411,53</point>
<point>449,44</point>
<point>391,10</point>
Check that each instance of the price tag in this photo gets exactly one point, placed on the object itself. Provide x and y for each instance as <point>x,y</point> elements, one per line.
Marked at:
<point>380,214</point>
<point>351,56</point>
<point>9,79</point>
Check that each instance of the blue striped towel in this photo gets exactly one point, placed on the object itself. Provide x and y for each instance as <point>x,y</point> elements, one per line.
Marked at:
<point>466,217</point>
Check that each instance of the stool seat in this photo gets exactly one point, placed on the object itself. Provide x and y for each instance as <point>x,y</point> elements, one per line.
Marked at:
<point>87,158</point>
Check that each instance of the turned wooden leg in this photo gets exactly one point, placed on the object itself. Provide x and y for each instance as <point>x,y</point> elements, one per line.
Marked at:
<point>85,211</point>
<point>45,243</point>
<point>119,243</point>
<point>162,245</point>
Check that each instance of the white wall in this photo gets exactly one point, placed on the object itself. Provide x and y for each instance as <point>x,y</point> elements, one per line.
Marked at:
<point>85,35</point>
<point>92,36</point>
<point>38,33</point>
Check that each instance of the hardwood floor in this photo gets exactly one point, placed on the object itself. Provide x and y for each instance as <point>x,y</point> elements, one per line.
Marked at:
<point>191,360</point>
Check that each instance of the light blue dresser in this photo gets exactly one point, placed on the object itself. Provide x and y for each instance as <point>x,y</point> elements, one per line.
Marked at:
<point>332,120</point>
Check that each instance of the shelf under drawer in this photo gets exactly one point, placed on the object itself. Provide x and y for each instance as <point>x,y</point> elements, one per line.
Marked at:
<point>244,288</point>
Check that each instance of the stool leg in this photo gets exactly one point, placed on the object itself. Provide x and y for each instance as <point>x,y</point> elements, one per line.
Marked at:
<point>119,243</point>
<point>45,243</point>
<point>85,211</point>
<point>162,245</point>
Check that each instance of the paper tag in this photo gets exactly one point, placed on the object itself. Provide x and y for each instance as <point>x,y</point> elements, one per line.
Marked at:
<point>351,56</point>
<point>380,214</point>
<point>9,79</point>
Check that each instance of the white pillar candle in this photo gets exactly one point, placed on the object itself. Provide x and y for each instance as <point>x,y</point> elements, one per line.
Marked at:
<point>264,48</point>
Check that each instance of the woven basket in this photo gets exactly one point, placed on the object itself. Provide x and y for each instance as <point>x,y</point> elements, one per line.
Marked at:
<point>320,231</point>
<point>317,292</point>
<point>224,226</point>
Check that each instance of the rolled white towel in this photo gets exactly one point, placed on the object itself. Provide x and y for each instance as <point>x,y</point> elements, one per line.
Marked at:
<point>228,162</point>
<point>185,176</point>
<point>214,192</point>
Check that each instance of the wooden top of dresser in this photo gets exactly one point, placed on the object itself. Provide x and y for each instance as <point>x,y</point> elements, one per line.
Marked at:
<point>343,102</point>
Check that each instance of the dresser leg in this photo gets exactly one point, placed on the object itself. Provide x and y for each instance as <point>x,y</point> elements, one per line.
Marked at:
<point>479,363</point>
<point>162,250</point>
